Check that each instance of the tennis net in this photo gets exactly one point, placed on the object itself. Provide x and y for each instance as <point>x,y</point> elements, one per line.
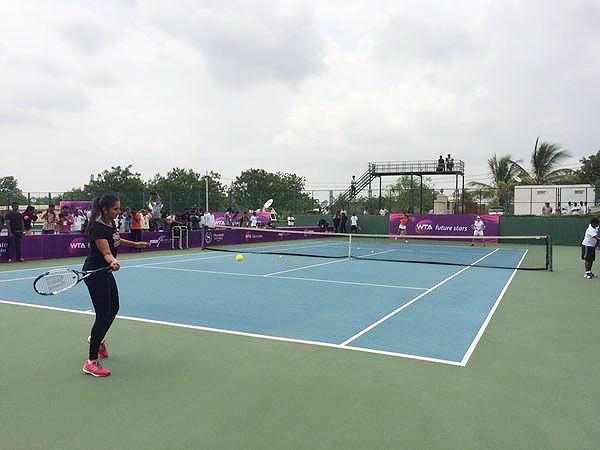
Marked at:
<point>510,252</point>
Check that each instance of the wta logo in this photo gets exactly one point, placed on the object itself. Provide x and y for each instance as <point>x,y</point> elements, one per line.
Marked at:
<point>78,246</point>
<point>156,242</point>
<point>208,237</point>
<point>423,226</point>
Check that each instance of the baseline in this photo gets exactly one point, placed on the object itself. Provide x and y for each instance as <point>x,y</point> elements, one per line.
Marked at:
<point>242,333</point>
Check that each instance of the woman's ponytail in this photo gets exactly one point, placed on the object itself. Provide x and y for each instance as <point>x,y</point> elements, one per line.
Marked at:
<point>98,204</point>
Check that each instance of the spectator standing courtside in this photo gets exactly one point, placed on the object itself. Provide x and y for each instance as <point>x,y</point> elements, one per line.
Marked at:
<point>156,207</point>
<point>145,220</point>
<point>254,220</point>
<point>591,239</point>
<point>207,222</point>
<point>14,223</point>
<point>29,218</point>
<point>49,218</point>
<point>78,221</point>
<point>65,221</point>
<point>136,226</point>
<point>547,209</point>
<point>343,221</point>
<point>354,223</point>
<point>336,222</point>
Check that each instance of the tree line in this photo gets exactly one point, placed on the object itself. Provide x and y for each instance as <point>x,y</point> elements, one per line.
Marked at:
<point>182,188</point>
<point>544,168</point>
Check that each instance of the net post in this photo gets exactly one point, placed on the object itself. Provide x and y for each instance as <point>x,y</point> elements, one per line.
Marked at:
<point>349,246</point>
<point>549,253</point>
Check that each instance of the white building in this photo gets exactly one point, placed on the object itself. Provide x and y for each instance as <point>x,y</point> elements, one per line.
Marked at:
<point>529,200</point>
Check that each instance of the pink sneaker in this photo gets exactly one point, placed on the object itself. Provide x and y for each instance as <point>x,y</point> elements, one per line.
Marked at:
<point>102,350</point>
<point>94,368</point>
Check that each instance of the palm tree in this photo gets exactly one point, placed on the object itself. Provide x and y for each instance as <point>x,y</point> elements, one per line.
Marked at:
<point>544,160</point>
<point>504,172</point>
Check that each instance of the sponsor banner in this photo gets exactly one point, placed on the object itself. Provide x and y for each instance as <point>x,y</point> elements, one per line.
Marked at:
<point>46,246</point>
<point>74,205</point>
<point>217,237</point>
<point>444,224</point>
<point>263,217</point>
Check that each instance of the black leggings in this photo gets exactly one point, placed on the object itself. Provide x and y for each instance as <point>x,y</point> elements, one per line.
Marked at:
<point>105,297</point>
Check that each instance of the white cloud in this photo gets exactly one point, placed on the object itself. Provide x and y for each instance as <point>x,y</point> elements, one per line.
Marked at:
<point>245,43</point>
<point>314,88</point>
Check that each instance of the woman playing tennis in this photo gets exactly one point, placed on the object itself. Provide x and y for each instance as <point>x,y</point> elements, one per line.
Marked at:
<point>104,244</point>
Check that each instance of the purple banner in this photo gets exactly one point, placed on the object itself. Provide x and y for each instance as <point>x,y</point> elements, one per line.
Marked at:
<point>263,217</point>
<point>47,246</point>
<point>74,205</point>
<point>234,236</point>
<point>444,224</point>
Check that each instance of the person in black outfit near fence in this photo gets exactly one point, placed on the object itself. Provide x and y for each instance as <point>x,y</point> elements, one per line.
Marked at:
<point>15,226</point>
<point>343,220</point>
<point>104,243</point>
<point>336,222</point>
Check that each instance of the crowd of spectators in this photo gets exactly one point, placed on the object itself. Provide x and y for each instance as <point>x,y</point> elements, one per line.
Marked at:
<point>570,209</point>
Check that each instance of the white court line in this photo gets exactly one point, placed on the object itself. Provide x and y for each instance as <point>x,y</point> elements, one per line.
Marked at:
<point>321,264</point>
<point>18,279</point>
<point>122,267</point>
<point>305,267</point>
<point>252,275</point>
<point>82,259</point>
<point>245,334</point>
<point>355,283</point>
<point>417,298</point>
<point>473,345</point>
<point>126,260</point>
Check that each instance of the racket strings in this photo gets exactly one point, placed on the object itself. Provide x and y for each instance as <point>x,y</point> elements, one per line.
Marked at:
<point>54,282</point>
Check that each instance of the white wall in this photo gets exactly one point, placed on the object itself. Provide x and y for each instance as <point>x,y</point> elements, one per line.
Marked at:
<point>530,199</point>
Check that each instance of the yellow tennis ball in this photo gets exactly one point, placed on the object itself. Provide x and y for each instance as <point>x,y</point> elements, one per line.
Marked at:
<point>280,256</point>
<point>239,258</point>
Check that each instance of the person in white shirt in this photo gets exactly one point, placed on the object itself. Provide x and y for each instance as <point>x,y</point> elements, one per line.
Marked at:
<point>207,222</point>
<point>354,223</point>
<point>254,220</point>
<point>591,240</point>
<point>547,209</point>
<point>478,230</point>
<point>78,221</point>
<point>155,206</point>
<point>291,220</point>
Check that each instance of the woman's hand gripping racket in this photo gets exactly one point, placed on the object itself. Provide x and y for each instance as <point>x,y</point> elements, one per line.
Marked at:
<point>56,281</point>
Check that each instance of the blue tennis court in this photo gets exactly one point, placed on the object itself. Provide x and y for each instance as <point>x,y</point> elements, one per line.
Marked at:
<point>430,312</point>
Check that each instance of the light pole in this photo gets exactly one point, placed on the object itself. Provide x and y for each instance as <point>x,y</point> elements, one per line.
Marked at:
<point>206,191</point>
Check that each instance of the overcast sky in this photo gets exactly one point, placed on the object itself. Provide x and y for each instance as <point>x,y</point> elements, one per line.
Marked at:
<point>317,88</point>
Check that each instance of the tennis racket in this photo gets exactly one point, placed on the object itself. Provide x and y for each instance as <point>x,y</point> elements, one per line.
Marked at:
<point>56,281</point>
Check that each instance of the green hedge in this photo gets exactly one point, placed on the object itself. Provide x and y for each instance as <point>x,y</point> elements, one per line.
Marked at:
<point>565,230</point>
